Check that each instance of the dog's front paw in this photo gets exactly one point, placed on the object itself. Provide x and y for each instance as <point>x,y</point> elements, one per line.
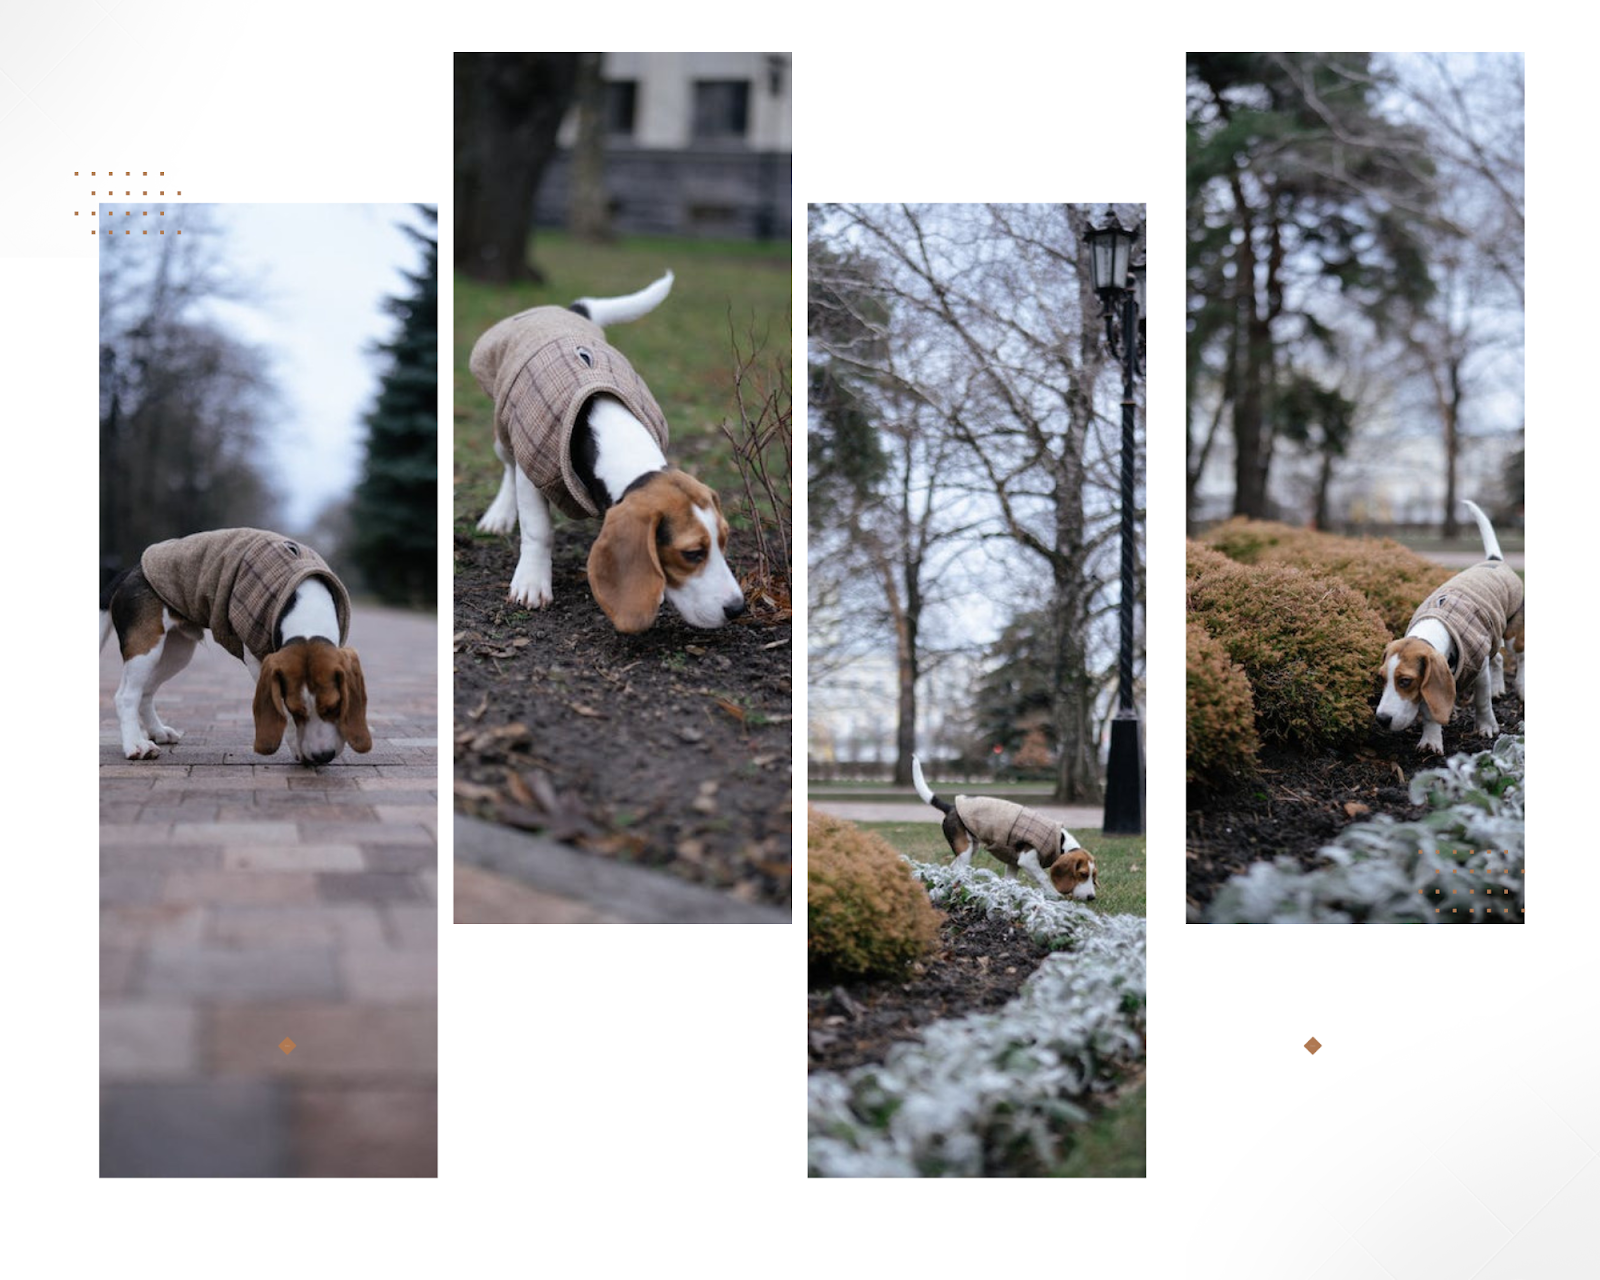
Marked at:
<point>167,734</point>
<point>143,749</point>
<point>531,587</point>
<point>1432,740</point>
<point>1488,726</point>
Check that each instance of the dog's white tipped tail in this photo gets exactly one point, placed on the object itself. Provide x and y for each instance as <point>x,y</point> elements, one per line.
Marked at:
<point>918,781</point>
<point>609,311</point>
<point>105,626</point>
<point>1491,544</point>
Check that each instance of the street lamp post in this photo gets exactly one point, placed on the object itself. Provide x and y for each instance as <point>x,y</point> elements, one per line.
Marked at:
<point>1121,290</point>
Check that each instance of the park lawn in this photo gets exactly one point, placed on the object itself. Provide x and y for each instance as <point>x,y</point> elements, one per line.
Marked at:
<point>1119,861</point>
<point>684,350</point>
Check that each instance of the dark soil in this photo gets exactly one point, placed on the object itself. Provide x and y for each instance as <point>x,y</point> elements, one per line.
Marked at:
<point>1298,802</point>
<point>672,747</point>
<point>981,964</point>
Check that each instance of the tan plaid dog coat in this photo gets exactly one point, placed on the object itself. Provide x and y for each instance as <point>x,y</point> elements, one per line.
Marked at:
<point>1476,606</point>
<point>539,368</point>
<point>237,583</point>
<point>1005,828</point>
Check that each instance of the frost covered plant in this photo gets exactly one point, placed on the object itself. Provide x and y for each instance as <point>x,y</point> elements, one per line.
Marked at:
<point>997,1092</point>
<point>1460,863</point>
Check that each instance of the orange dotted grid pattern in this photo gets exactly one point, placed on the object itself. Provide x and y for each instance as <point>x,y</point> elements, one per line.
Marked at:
<point>1472,891</point>
<point>144,213</point>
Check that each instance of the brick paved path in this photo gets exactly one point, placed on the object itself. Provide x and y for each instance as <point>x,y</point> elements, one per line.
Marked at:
<point>243,903</point>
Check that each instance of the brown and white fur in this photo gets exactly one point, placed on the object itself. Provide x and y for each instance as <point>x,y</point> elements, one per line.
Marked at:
<point>308,681</point>
<point>663,535</point>
<point>1417,679</point>
<point>1067,869</point>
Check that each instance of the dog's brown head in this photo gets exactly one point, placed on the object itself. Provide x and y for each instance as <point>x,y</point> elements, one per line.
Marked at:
<point>318,687</point>
<point>1072,874</point>
<point>1415,673</point>
<point>665,539</point>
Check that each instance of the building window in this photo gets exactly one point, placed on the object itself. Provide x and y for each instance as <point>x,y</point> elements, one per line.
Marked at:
<point>622,99</point>
<point>721,110</point>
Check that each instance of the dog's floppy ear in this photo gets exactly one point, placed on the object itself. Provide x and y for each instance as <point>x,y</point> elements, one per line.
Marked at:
<point>272,717</point>
<point>1438,688</point>
<point>625,567</point>
<point>352,702</point>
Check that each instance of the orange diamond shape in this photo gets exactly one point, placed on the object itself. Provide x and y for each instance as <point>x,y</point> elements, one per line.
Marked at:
<point>287,1046</point>
<point>1312,1045</point>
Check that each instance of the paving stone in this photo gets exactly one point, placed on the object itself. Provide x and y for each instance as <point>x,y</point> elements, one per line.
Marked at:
<point>356,832</point>
<point>411,925</point>
<point>126,887</point>
<point>284,926</point>
<point>259,973</point>
<point>399,857</point>
<point>369,886</point>
<point>135,833</point>
<point>235,833</point>
<point>332,1041</point>
<point>151,857</point>
<point>365,1133</point>
<point>389,976</point>
<point>296,857</point>
<point>233,886</point>
<point>116,971</point>
<point>142,1041</point>
<point>300,809</point>
<point>214,1129</point>
<point>137,925</point>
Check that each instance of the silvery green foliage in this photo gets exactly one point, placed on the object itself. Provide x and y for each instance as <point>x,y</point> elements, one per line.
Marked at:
<point>993,1092</point>
<point>1053,922</point>
<point>1461,863</point>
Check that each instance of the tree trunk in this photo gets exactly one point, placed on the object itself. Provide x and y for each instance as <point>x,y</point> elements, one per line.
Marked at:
<point>508,109</point>
<point>588,209</point>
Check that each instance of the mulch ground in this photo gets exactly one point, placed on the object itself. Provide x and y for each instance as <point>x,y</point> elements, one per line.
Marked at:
<point>1298,802</point>
<point>981,964</point>
<point>671,748</point>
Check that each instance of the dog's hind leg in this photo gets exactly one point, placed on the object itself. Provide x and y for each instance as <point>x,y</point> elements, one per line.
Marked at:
<point>176,650</point>
<point>959,839</point>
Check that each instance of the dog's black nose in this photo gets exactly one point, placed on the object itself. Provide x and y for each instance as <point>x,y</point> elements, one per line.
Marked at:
<point>320,757</point>
<point>733,609</point>
<point>1384,720</point>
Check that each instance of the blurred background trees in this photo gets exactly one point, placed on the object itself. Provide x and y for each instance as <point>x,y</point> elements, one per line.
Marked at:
<point>1355,284</point>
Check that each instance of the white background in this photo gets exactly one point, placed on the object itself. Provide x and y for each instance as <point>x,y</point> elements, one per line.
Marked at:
<point>624,1100</point>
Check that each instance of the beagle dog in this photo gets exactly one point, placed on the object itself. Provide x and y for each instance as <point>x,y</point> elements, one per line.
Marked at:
<point>1017,836</point>
<point>271,602</point>
<point>1456,643</point>
<point>576,428</point>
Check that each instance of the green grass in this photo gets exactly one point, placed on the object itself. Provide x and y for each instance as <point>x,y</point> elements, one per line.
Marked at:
<point>1113,1144</point>
<point>684,350</point>
<point>1119,861</point>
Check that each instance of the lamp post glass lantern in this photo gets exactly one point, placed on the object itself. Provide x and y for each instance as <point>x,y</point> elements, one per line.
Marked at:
<point>1122,301</point>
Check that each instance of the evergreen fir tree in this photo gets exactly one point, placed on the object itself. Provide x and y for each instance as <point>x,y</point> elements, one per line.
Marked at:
<point>396,506</point>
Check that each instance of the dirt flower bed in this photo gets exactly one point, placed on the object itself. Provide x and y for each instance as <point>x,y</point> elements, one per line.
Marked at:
<point>1297,804</point>
<point>672,747</point>
<point>1004,1090</point>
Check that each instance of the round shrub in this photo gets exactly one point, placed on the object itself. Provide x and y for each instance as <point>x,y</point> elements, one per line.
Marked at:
<point>1222,714</point>
<point>1393,579</point>
<point>1309,644</point>
<point>867,916</point>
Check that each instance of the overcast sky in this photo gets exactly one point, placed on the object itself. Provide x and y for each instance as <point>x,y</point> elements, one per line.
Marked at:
<point>321,274</point>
